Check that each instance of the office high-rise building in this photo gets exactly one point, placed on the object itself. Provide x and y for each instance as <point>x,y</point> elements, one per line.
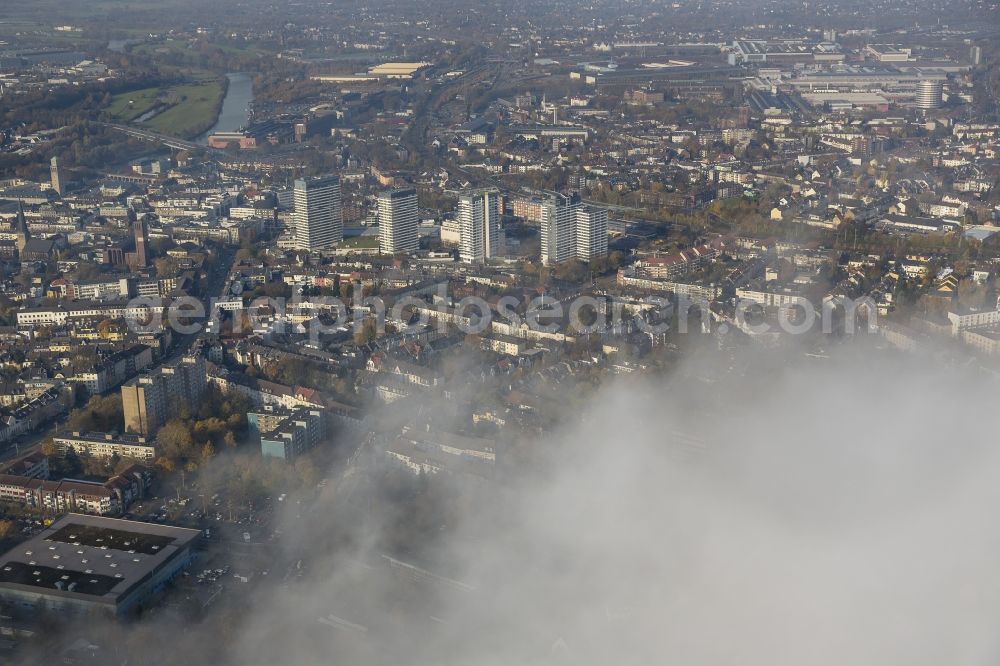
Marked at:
<point>55,173</point>
<point>319,221</point>
<point>479,225</point>
<point>591,233</point>
<point>558,227</point>
<point>398,221</point>
<point>930,94</point>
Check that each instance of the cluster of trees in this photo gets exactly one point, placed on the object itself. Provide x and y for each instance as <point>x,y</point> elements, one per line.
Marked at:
<point>66,105</point>
<point>286,88</point>
<point>99,414</point>
<point>432,198</point>
<point>80,145</point>
<point>102,413</point>
<point>573,270</point>
<point>167,267</point>
<point>274,289</point>
<point>420,510</point>
<point>244,479</point>
<point>190,440</point>
<point>219,55</point>
<point>292,371</point>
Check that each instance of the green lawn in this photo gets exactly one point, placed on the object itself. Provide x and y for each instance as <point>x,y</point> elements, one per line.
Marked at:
<point>195,108</point>
<point>360,242</point>
<point>128,106</point>
<point>191,107</point>
<point>165,46</point>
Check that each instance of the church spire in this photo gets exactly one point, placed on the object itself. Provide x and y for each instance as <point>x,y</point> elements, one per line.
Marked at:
<point>22,227</point>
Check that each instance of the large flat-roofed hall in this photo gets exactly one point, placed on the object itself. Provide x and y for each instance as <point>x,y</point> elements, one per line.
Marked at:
<point>85,563</point>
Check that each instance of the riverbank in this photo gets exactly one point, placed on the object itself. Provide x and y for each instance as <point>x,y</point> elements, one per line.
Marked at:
<point>234,112</point>
<point>185,110</point>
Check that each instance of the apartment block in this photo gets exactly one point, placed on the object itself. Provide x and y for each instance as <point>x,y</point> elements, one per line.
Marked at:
<point>287,433</point>
<point>152,399</point>
<point>572,230</point>
<point>479,221</point>
<point>106,445</point>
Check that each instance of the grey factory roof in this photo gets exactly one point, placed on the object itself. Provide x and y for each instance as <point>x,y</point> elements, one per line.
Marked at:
<point>102,558</point>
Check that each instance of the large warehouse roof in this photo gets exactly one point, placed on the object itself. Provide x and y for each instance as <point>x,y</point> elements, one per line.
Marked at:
<point>91,557</point>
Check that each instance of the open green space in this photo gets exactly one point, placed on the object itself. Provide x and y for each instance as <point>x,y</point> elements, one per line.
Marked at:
<point>181,51</point>
<point>187,108</point>
<point>195,110</point>
<point>161,47</point>
<point>360,242</point>
<point>128,106</point>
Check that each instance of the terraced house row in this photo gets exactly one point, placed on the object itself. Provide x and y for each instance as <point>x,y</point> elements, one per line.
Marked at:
<point>29,486</point>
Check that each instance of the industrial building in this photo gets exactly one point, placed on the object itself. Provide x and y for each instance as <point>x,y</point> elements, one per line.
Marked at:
<point>783,52</point>
<point>397,70</point>
<point>85,564</point>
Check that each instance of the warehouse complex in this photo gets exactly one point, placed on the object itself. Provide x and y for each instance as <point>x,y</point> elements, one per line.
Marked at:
<point>83,564</point>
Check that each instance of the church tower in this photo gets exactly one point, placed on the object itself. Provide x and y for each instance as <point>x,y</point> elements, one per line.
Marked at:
<point>22,228</point>
<point>56,175</point>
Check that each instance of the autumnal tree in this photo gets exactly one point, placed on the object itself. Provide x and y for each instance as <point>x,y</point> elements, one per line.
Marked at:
<point>101,413</point>
<point>366,333</point>
<point>174,439</point>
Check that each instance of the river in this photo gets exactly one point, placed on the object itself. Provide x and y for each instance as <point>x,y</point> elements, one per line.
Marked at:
<point>235,107</point>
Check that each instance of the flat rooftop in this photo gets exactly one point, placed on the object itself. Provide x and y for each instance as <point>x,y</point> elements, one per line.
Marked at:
<point>116,539</point>
<point>49,577</point>
<point>103,559</point>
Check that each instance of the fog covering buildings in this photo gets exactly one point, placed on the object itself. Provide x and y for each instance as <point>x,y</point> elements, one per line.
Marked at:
<point>792,523</point>
<point>774,514</point>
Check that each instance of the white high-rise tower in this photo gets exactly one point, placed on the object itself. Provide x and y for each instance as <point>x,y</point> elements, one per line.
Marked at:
<point>479,223</point>
<point>571,229</point>
<point>398,221</point>
<point>558,227</point>
<point>319,218</point>
<point>591,233</point>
